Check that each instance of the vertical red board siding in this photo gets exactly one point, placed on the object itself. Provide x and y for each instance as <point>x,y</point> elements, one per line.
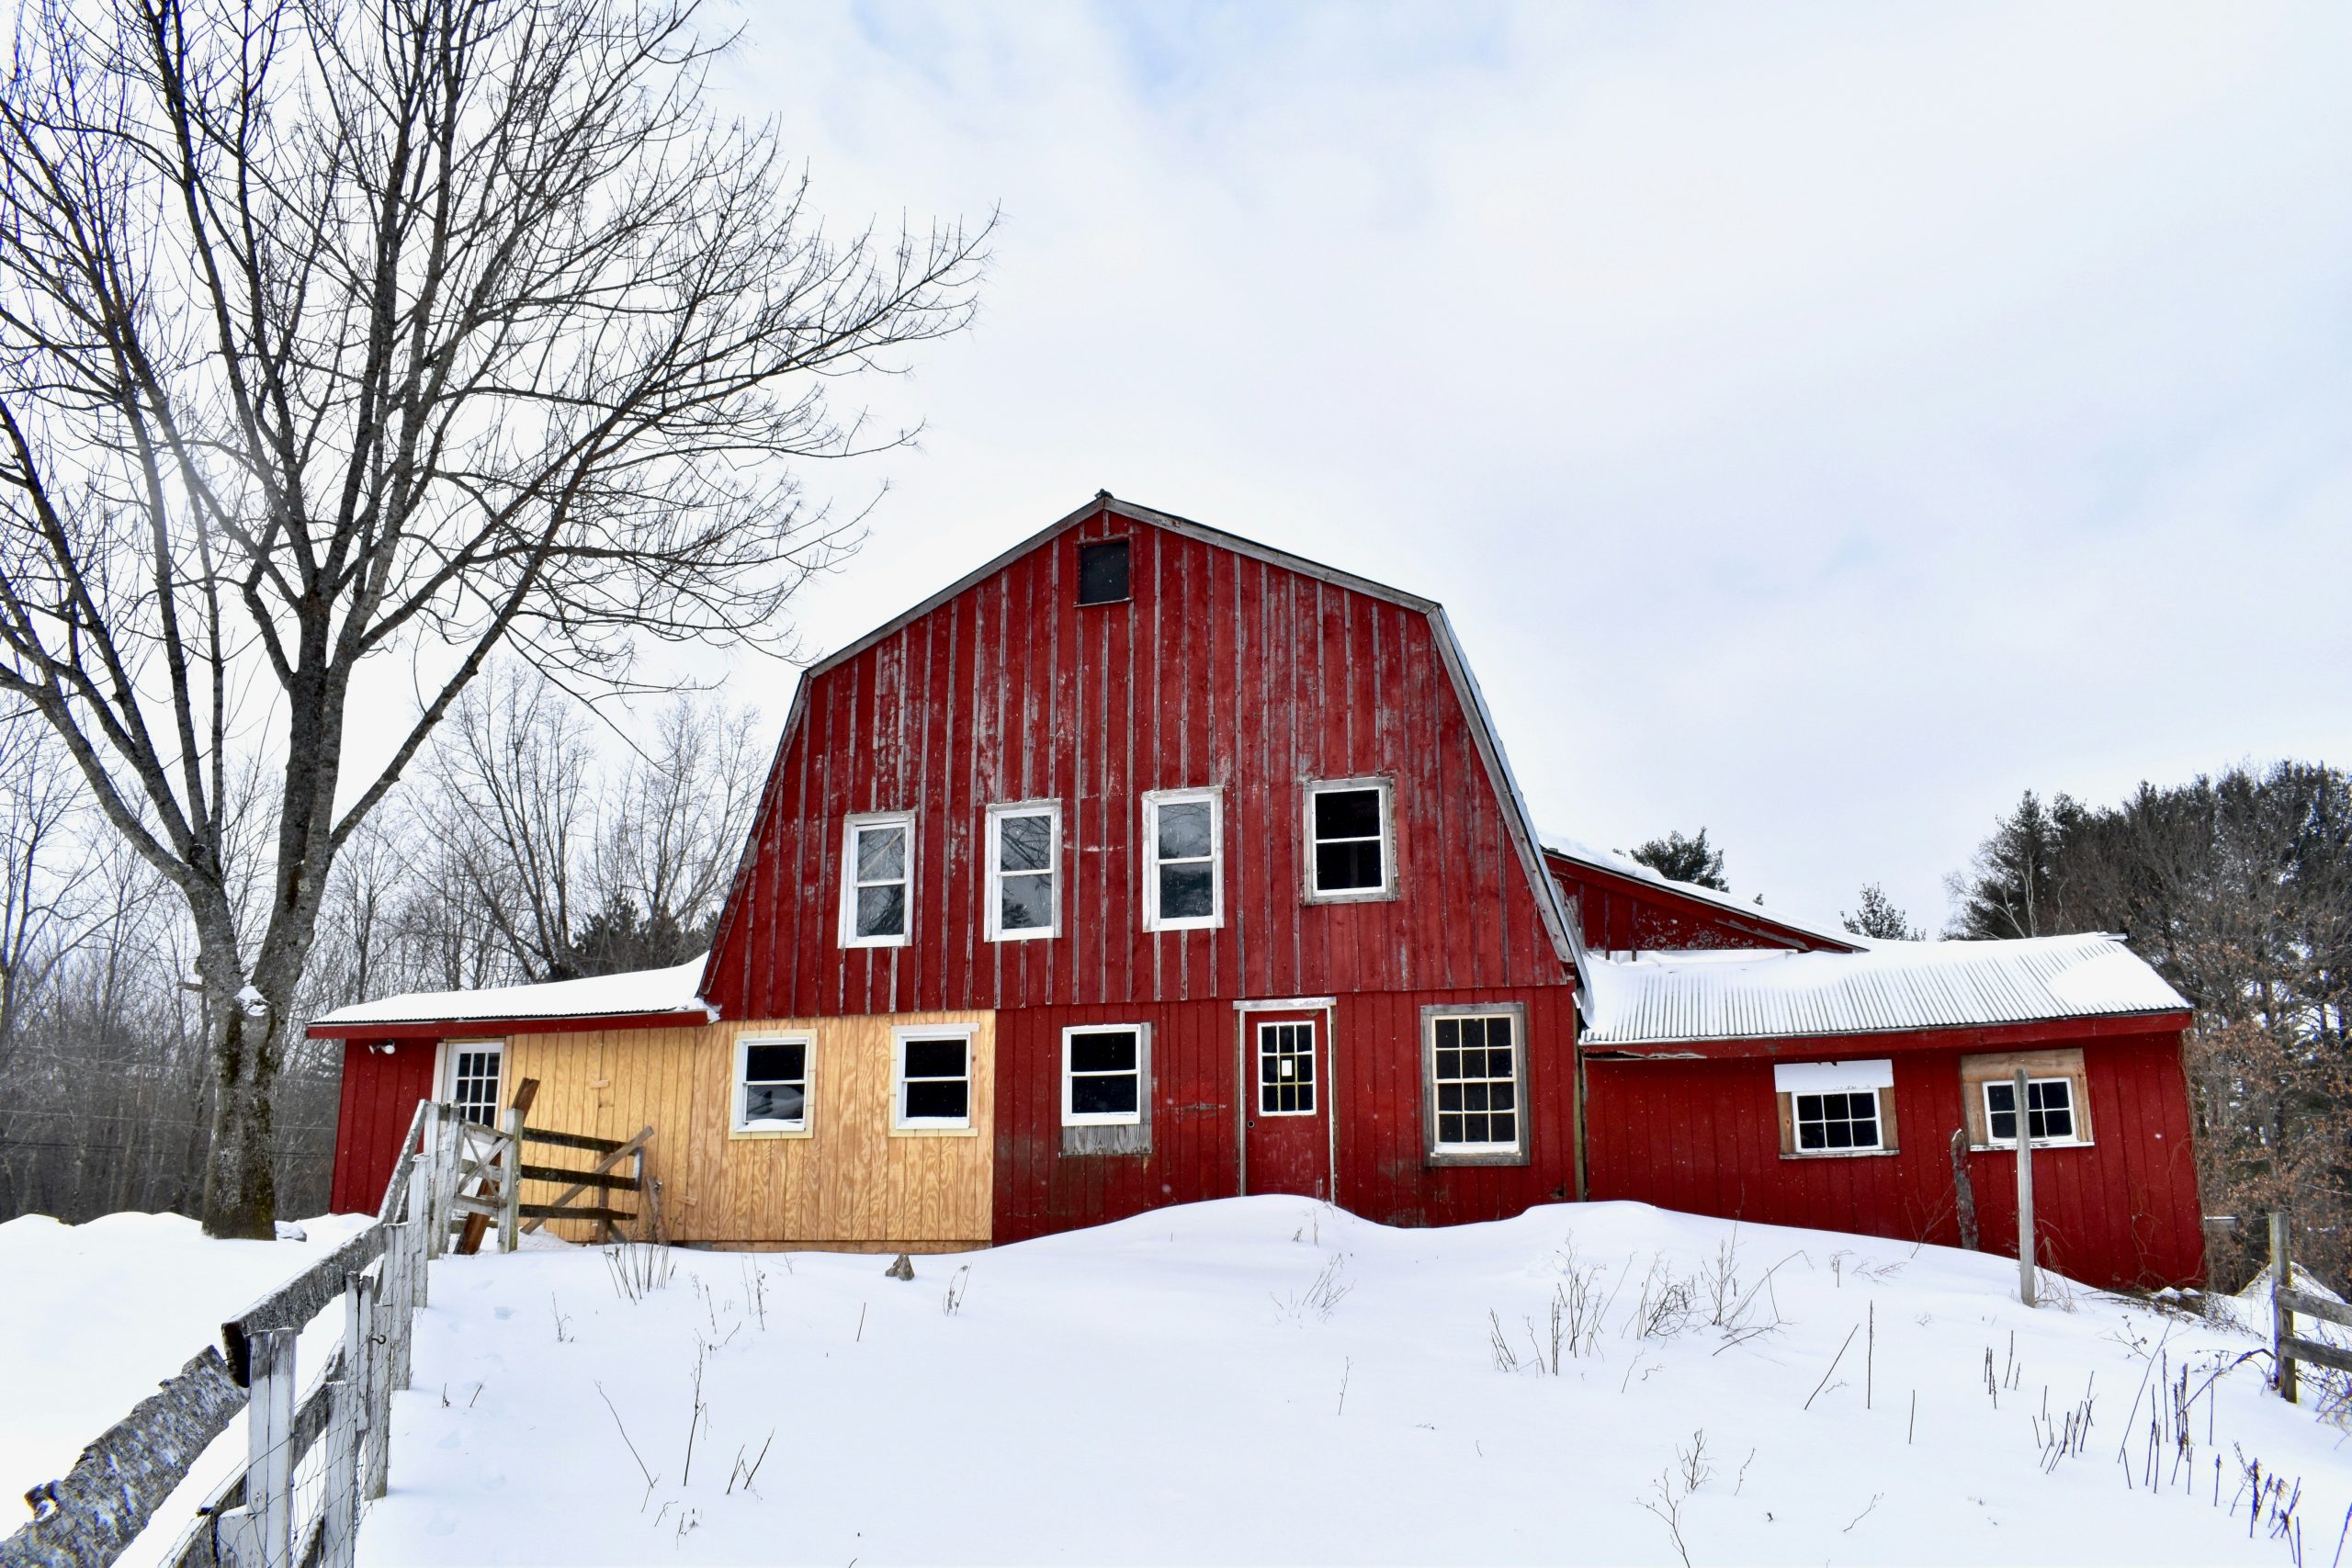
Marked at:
<point>1622,914</point>
<point>1704,1137</point>
<point>380,1090</point>
<point>1221,669</point>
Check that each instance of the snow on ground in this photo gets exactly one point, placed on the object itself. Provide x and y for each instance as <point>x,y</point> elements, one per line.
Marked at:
<point>1270,1380</point>
<point>93,1317</point>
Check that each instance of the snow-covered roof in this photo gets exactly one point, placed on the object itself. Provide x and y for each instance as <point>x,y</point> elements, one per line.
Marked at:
<point>670,990</point>
<point>1625,866</point>
<point>1889,987</point>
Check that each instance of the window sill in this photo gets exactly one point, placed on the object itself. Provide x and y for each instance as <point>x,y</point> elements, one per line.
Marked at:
<point>1386,896</point>
<point>874,941</point>
<point>1045,935</point>
<point>935,1132</point>
<point>759,1135</point>
<point>2039,1145</point>
<point>1435,1159</point>
<point>1838,1154</point>
<point>1184,925</point>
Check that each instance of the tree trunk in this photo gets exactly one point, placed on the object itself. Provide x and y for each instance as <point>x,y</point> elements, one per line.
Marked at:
<point>240,1174</point>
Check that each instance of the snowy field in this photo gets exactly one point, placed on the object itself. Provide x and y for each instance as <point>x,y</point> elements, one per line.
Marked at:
<point>93,1317</point>
<point>1267,1380</point>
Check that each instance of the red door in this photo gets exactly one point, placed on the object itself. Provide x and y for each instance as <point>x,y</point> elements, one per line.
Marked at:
<point>1286,1116</point>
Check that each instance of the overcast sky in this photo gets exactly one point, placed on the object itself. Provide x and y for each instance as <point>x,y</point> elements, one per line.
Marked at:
<point>1822,424</point>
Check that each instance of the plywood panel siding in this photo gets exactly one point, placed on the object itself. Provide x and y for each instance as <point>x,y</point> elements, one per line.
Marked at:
<point>1701,1137</point>
<point>849,1183</point>
<point>378,1100</point>
<point>1220,670</point>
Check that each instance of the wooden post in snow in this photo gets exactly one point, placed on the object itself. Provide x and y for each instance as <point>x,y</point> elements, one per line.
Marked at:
<point>510,1184</point>
<point>2282,1316</point>
<point>2025,1193</point>
<point>261,1534</point>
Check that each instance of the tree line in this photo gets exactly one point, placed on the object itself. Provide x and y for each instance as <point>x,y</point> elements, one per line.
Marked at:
<point>532,843</point>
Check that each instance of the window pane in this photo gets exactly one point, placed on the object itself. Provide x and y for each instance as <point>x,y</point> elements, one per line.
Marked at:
<point>1809,1135</point>
<point>1503,1129</point>
<point>1347,814</point>
<point>1103,572</point>
<point>881,854</point>
<point>1498,1033</point>
<point>1473,1063</point>
<point>772,1064</point>
<point>949,1100</point>
<point>1110,1051</point>
<point>772,1102</point>
<point>1449,1129</point>
<point>1025,903</point>
<point>1110,1096</point>
<point>1187,891</point>
<point>1270,1098</point>
<point>2000,1098</point>
<point>882,911</point>
<point>1473,1032</point>
<point>1841,1134</point>
<point>935,1058</point>
<point>1449,1035</point>
<point>1449,1096</point>
<point>1025,842</point>
<point>1183,830</point>
<point>1448,1062</point>
<point>1503,1096</point>
<point>1474,1129</point>
<point>1341,868</point>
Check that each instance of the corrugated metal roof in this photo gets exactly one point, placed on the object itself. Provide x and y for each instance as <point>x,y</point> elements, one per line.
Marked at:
<point>599,996</point>
<point>1889,987</point>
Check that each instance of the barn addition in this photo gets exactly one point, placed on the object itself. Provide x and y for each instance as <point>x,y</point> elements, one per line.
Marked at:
<point>1146,864</point>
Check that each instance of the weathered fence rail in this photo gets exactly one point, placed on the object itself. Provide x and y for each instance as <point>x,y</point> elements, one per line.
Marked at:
<point>2286,1300</point>
<point>314,1454</point>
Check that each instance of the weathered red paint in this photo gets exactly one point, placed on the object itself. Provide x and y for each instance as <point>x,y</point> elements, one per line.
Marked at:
<point>1623,913</point>
<point>380,1090</point>
<point>1288,1151</point>
<point>1703,1137</point>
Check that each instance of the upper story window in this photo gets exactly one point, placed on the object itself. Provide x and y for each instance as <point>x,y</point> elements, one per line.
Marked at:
<point>1351,843</point>
<point>877,878</point>
<point>1025,853</point>
<point>1103,572</point>
<point>1183,838</point>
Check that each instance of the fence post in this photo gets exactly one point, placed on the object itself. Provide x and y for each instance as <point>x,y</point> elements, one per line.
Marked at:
<point>2025,1193</point>
<point>429,1168</point>
<point>2282,1316</point>
<point>510,1197</point>
<point>261,1534</point>
<point>339,1521</point>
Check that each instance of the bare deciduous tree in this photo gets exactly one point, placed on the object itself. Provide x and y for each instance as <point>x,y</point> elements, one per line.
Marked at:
<point>338,339</point>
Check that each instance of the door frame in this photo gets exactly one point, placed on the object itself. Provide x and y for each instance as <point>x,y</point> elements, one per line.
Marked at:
<point>445,1064</point>
<point>1245,1084</point>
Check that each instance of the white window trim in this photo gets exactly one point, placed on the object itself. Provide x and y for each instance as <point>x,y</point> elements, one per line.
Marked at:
<point>1152,801</point>
<point>445,1070</point>
<point>1388,889</point>
<point>1142,1031</point>
<point>1258,1068</point>
<point>2073,1112</point>
<point>1852,1151</point>
<point>933,1127</point>
<point>850,825</point>
<point>993,913</point>
<point>1512,1152</point>
<point>743,1043</point>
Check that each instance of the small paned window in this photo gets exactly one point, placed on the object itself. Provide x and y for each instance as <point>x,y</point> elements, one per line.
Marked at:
<point>878,879</point>
<point>1103,572</point>
<point>1842,1121</point>
<point>1286,1069</point>
<point>1183,851</point>
<point>2048,1110</point>
<point>1103,1077</point>
<point>1024,849</point>
<point>934,1074</point>
<point>772,1085</point>
<point>1348,841</point>
<point>473,1079</point>
<point>1474,1072</point>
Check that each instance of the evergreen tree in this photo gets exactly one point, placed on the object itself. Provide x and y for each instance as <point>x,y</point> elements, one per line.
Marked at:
<point>1878,917</point>
<point>1685,860</point>
<point>2010,888</point>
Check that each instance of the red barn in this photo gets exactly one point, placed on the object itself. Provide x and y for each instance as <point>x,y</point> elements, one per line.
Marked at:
<point>1147,864</point>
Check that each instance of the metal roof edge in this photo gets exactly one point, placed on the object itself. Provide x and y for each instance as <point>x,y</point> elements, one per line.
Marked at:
<point>2083,1022</point>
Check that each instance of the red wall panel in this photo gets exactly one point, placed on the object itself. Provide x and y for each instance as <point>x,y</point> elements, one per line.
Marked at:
<point>380,1090</point>
<point>1223,669</point>
<point>1703,1137</point>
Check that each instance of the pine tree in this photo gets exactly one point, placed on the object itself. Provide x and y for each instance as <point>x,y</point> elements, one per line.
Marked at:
<point>1879,919</point>
<point>2009,889</point>
<point>1685,860</point>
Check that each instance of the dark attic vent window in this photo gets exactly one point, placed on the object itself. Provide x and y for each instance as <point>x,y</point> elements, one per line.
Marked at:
<point>1103,572</point>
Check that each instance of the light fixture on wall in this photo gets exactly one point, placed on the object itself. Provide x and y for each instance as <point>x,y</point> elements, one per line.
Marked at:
<point>386,1046</point>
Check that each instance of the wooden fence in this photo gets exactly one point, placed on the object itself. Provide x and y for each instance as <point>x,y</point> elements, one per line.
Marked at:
<point>314,1455</point>
<point>2286,1300</point>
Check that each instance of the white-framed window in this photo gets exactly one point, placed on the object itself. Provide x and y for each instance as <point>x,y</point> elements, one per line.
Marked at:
<point>1829,1109</point>
<point>931,1079</point>
<point>474,1070</point>
<point>1024,871</point>
<point>2048,1110</point>
<point>1350,840</point>
<point>1105,1074</point>
<point>773,1080</point>
<point>1183,850</point>
<point>1286,1068</point>
<point>1473,1063</point>
<point>877,878</point>
<point>2057,1098</point>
